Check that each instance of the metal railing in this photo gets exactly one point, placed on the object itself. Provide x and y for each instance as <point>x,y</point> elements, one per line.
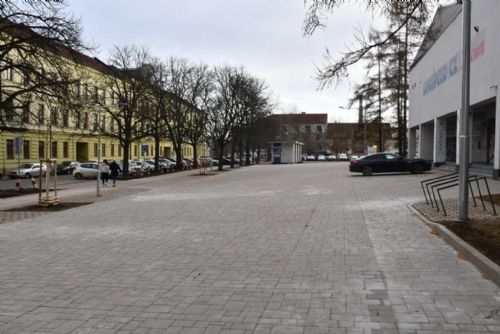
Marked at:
<point>433,186</point>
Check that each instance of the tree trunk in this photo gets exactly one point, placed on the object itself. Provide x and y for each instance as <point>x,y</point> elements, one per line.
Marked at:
<point>247,154</point>
<point>157,154</point>
<point>233,148</point>
<point>220,155</point>
<point>257,161</point>
<point>126,149</point>
<point>195,155</point>
<point>178,157</point>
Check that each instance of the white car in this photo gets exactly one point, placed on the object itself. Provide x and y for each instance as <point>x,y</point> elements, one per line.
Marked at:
<point>331,157</point>
<point>321,157</point>
<point>343,156</point>
<point>28,170</point>
<point>311,158</point>
<point>87,170</point>
<point>354,157</point>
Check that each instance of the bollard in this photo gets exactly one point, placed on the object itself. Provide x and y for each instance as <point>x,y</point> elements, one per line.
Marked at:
<point>18,183</point>
<point>33,182</point>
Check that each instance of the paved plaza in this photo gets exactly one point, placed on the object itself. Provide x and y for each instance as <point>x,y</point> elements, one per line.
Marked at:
<point>287,249</point>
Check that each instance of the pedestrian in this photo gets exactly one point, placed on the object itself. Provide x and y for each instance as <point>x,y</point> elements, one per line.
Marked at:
<point>105,172</point>
<point>115,170</point>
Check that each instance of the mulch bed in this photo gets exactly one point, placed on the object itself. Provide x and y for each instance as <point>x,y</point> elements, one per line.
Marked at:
<point>6,193</point>
<point>52,208</point>
<point>483,235</point>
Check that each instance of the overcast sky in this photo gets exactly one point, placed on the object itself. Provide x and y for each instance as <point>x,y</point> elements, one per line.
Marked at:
<point>264,36</point>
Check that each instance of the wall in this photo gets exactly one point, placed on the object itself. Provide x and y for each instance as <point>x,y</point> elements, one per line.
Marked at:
<point>429,101</point>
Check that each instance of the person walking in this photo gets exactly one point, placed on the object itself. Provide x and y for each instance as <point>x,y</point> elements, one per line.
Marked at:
<point>105,172</point>
<point>115,170</point>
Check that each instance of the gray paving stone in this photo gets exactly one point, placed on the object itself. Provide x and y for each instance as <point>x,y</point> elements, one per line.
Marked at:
<point>267,249</point>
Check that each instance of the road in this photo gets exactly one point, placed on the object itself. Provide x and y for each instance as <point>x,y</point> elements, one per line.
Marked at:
<point>306,248</point>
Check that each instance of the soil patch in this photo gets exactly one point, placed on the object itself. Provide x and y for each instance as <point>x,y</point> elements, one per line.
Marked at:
<point>6,193</point>
<point>52,208</point>
<point>483,235</point>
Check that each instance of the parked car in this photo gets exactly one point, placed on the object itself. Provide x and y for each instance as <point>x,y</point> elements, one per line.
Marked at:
<point>86,170</point>
<point>209,161</point>
<point>321,157</point>
<point>140,167</point>
<point>67,167</point>
<point>386,162</point>
<point>310,158</point>
<point>166,164</point>
<point>331,157</point>
<point>28,170</point>
<point>343,157</point>
<point>354,157</point>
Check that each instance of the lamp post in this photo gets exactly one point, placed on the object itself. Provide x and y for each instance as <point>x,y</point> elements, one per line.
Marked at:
<point>463,203</point>
<point>98,189</point>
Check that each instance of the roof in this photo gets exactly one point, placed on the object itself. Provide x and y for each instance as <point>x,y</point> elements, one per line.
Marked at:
<point>302,118</point>
<point>444,16</point>
<point>27,34</point>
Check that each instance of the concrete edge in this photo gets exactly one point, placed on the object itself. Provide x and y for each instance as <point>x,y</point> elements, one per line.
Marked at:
<point>485,265</point>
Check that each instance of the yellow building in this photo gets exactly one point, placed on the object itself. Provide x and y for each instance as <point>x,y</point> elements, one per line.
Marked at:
<point>42,129</point>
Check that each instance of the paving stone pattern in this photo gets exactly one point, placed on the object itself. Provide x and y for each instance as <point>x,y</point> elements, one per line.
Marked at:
<point>306,249</point>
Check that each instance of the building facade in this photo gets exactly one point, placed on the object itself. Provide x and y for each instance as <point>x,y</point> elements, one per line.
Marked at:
<point>435,88</point>
<point>308,129</point>
<point>44,129</point>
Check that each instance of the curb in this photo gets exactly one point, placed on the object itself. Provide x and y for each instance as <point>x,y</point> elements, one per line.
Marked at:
<point>485,265</point>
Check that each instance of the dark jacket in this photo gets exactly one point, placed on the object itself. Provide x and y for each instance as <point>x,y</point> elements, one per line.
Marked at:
<point>115,168</point>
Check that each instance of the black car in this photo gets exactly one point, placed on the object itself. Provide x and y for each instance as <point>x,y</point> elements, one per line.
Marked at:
<point>386,163</point>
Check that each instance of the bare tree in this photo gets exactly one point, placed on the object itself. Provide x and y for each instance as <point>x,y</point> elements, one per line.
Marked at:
<point>198,101</point>
<point>224,107</point>
<point>129,87</point>
<point>336,69</point>
<point>39,57</point>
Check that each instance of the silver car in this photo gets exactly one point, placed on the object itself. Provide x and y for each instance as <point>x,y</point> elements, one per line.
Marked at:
<point>28,170</point>
<point>86,170</point>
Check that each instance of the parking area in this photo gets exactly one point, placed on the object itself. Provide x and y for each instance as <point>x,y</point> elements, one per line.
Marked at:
<point>305,248</point>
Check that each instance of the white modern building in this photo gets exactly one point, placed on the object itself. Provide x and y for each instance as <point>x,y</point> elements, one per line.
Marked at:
<point>435,88</point>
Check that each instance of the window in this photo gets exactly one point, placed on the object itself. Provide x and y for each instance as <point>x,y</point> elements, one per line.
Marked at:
<point>319,128</point>
<point>103,151</point>
<point>308,128</point>
<point>391,157</point>
<point>103,123</point>
<point>26,149</point>
<point>135,150</point>
<point>95,123</point>
<point>41,149</point>
<point>96,148</point>
<point>78,90</point>
<point>53,150</point>
<point>26,114</point>
<point>112,150</point>
<point>111,125</point>
<point>65,150</point>
<point>65,118</point>
<point>85,120</point>
<point>78,116</point>
<point>53,117</point>
<point>9,112</point>
<point>41,113</point>
<point>85,91</point>
<point>119,150</point>
<point>6,70</point>
<point>10,149</point>
<point>96,94</point>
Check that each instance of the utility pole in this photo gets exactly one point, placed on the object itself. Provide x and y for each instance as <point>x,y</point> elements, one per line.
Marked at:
<point>463,205</point>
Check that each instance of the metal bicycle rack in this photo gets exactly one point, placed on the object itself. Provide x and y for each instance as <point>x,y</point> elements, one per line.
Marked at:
<point>435,185</point>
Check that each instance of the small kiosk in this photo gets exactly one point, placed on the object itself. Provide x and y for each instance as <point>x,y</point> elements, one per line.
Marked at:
<point>286,152</point>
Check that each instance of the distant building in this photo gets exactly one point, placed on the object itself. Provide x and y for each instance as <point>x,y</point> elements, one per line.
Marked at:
<point>350,138</point>
<point>308,129</point>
